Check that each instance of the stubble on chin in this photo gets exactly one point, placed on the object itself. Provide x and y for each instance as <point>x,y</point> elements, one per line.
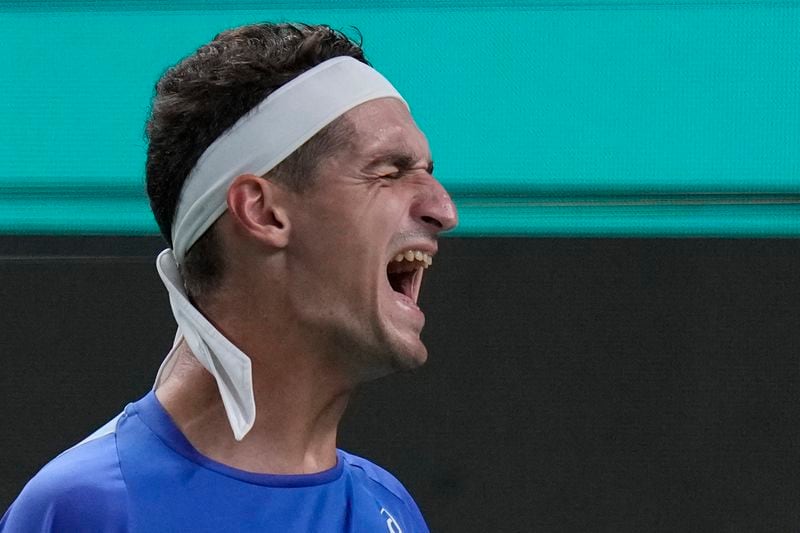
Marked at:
<point>368,363</point>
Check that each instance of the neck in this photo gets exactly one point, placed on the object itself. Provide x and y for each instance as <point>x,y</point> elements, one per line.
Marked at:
<point>298,403</point>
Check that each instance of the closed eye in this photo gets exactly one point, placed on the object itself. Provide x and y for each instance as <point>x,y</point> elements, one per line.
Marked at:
<point>409,170</point>
<point>403,163</point>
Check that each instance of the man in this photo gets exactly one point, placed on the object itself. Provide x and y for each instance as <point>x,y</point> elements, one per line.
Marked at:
<point>296,192</point>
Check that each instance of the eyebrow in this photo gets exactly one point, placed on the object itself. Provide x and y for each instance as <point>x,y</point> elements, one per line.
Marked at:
<point>403,161</point>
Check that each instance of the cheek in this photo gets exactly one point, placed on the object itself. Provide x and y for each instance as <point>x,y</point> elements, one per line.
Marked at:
<point>339,269</point>
<point>347,242</point>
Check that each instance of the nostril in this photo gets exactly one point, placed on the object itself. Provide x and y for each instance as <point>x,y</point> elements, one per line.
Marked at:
<point>432,221</point>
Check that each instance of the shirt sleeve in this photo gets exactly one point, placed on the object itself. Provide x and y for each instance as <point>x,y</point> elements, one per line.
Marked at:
<point>412,517</point>
<point>82,490</point>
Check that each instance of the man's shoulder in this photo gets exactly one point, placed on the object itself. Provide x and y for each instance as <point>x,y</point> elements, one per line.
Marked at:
<point>378,475</point>
<point>80,490</point>
<point>411,515</point>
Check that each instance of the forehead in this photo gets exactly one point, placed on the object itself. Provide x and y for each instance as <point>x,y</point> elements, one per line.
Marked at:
<point>385,124</point>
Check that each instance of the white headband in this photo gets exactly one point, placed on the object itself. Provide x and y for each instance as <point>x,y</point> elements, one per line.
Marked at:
<point>268,134</point>
<point>258,141</point>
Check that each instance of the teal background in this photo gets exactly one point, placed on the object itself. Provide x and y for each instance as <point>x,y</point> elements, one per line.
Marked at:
<point>571,118</point>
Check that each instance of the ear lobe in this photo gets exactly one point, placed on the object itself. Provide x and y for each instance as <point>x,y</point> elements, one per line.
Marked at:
<point>253,206</point>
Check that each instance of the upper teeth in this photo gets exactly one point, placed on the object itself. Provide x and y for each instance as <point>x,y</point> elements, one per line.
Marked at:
<point>414,255</point>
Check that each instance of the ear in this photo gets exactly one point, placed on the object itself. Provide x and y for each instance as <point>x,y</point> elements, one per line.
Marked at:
<point>253,205</point>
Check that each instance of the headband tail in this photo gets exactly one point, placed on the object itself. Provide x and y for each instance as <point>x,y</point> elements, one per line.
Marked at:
<point>230,366</point>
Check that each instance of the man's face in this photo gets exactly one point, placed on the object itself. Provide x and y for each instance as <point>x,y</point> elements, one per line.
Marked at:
<point>370,204</point>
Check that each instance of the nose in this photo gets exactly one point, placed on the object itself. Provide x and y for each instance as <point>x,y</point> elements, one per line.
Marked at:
<point>435,208</point>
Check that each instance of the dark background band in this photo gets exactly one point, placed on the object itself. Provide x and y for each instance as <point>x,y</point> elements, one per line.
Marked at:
<point>573,384</point>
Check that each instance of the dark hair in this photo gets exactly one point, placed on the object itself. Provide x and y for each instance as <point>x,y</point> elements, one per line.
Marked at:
<point>198,99</point>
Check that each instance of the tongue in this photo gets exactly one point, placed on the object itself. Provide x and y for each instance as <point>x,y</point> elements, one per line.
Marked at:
<point>407,285</point>
<point>402,282</point>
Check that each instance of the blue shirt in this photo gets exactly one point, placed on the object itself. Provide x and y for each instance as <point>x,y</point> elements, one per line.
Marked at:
<point>143,475</point>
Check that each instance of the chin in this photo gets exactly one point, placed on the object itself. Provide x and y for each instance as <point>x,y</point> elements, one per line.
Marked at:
<point>405,359</point>
<point>391,360</point>
<point>410,360</point>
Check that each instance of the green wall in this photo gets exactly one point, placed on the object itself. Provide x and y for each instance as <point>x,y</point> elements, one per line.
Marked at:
<point>569,118</point>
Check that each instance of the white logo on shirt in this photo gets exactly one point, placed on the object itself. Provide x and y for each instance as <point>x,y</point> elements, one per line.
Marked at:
<point>391,524</point>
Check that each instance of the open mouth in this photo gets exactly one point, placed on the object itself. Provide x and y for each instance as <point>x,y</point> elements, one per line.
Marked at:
<point>405,272</point>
